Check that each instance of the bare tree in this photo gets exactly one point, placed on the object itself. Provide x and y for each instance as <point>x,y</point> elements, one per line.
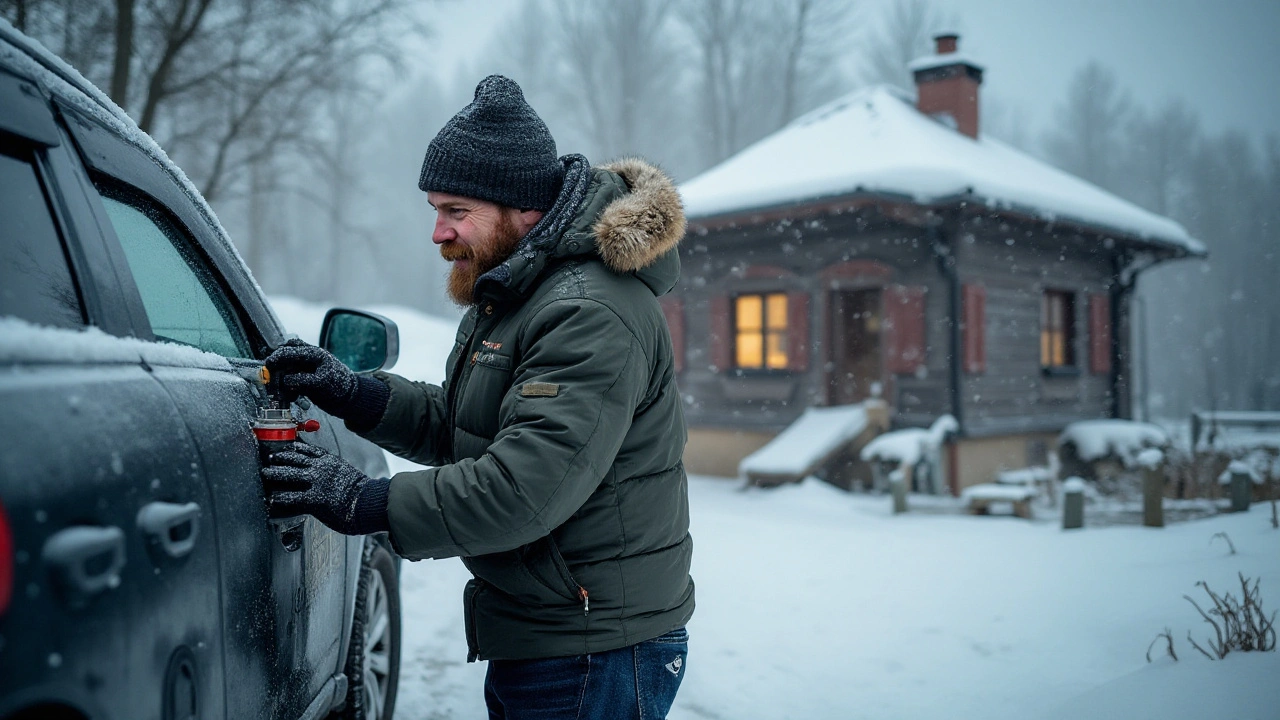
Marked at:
<point>1160,146</point>
<point>1086,140</point>
<point>904,33</point>
<point>218,81</point>
<point>762,64</point>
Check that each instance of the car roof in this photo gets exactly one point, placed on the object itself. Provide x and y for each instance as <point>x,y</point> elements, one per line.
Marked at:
<point>27,57</point>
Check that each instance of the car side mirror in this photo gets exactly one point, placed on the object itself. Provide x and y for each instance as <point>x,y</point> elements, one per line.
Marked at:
<point>363,341</point>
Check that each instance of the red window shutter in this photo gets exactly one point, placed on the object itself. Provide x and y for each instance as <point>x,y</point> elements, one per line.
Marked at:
<point>974,299</point>
<point>1100,333</point>
<point>904,317</point>
<point>721,339</point>
<point>798,331</point>
<point>673,311</point>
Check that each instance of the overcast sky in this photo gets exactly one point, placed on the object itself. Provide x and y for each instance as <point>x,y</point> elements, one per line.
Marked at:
<point>1221,56</point>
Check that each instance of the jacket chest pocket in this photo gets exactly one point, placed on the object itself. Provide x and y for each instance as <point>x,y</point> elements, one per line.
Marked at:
<point>487,380</point>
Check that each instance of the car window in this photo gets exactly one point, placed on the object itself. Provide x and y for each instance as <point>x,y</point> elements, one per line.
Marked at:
<point>181,295</point>
<point>35,276</point>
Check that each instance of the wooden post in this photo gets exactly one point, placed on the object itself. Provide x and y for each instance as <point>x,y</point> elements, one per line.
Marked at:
<point>1241,490</point>
<point>1152,462</point>
<point>898,480</point>
<point>1152,497</point>
<point>1073,504</point>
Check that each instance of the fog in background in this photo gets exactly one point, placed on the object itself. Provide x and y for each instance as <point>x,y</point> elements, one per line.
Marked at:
<point>305,123</point>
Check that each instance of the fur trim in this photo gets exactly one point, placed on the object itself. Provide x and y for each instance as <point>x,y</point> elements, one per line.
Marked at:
<point>636,229</point>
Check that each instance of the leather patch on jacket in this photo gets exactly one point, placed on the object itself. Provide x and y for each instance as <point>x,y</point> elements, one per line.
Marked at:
<point>539,389</point>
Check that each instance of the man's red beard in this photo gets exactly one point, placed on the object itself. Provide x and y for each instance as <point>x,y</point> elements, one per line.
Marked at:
<point>483,256</point>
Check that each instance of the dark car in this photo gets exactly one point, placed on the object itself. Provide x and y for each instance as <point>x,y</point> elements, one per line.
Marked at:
<point>140,576</point>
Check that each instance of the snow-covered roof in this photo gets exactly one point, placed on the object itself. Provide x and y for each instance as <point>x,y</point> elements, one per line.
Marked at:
<point>875,141</point>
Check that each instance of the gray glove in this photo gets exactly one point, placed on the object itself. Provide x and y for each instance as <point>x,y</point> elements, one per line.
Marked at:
<point>303,369</point>
<point>309,481</point>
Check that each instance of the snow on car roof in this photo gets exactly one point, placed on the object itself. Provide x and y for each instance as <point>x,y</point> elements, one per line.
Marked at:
<point>33,59</point>
<point>875,141</point>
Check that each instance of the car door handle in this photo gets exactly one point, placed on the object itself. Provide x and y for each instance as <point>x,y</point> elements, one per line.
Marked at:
<point>85,559</point>
<point>171,527</point>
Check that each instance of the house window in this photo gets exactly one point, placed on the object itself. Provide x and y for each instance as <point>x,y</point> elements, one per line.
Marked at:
<point>760,331</point>
<point>1057,330</point>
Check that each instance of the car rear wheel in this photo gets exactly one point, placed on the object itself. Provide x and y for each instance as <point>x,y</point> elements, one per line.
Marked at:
<point>373,657</point>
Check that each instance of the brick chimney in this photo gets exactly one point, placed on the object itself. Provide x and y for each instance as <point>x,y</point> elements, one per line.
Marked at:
<point>947,85</point>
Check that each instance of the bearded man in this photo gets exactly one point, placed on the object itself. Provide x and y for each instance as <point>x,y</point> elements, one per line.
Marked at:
<point>557,436</point>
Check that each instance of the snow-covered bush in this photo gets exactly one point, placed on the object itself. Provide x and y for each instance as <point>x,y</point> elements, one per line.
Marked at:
<point>1111,452</point>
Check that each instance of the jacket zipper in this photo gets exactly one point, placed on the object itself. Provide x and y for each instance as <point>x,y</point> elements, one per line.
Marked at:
<point>567,576</point>
<point>473,640</point>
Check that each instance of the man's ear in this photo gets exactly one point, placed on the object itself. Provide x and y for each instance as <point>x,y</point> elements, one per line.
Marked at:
<point>526,219</point>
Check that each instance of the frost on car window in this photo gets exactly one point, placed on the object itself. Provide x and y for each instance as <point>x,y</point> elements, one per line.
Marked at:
<point>182,301</point>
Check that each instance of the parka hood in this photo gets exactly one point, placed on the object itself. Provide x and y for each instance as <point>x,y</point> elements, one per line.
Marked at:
<point>634,230</point>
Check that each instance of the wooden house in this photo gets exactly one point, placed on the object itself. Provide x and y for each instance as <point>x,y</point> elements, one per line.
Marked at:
<point>882,246</point>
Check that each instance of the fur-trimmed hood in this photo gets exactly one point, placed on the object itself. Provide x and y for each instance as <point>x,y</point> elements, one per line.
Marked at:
<point>634,230</point>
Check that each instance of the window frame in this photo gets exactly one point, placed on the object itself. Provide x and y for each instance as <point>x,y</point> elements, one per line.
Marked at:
<point>764,331</point>
<point>23,150</point>
<point>1070,364</point>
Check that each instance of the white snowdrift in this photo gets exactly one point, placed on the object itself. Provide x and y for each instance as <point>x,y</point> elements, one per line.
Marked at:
<point>875,141</point>
<point>1241,686</point>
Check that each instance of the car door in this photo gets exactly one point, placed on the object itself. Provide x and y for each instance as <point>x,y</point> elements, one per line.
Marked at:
<point>116,612</point>
<point>282,583</point>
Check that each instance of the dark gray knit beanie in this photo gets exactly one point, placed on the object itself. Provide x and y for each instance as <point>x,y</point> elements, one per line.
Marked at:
<point>495,149</point>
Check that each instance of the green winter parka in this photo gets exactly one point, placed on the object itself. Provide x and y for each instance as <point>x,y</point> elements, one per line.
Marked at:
<point>557,438</point>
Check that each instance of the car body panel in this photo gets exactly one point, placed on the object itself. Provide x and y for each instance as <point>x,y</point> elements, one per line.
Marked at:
<point>110,443</point>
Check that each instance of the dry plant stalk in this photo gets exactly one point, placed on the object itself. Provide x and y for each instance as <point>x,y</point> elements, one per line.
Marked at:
<point>1168,637</point>
<point>1230,545</point>
<point>1239,625</point>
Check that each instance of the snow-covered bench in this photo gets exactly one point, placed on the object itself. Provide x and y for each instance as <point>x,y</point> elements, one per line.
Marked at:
<point>980,497</point>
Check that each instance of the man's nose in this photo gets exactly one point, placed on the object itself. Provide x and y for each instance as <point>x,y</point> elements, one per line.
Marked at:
<point>443,233</point>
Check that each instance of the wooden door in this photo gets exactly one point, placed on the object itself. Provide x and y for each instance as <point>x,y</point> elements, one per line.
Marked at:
<point>854,331</point>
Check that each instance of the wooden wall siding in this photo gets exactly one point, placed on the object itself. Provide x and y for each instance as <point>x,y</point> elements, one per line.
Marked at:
<point>1100,333</point>
<point>781,257</point>
<point>1016,264</point>
<point>973,319</point>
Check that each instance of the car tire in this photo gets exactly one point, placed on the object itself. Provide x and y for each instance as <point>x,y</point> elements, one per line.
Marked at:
<point>373,655</point>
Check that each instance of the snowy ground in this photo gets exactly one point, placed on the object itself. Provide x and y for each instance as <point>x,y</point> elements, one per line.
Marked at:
<point>813,603</point>
<point>817,604</point>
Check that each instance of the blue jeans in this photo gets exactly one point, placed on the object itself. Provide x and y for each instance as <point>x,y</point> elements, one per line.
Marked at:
<point>632,683</point>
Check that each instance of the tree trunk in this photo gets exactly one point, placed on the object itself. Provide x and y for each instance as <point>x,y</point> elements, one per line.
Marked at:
<point>124,53</point>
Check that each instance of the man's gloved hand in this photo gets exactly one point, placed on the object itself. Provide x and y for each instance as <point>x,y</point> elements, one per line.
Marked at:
<point>304,369</point>
<point>309,481</point>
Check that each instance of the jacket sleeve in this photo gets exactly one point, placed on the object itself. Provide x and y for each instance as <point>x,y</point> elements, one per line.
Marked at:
<point>413,425</point>
<point>557,440</point>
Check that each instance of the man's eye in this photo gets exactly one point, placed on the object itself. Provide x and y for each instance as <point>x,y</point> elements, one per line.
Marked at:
<point>457,212</point>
